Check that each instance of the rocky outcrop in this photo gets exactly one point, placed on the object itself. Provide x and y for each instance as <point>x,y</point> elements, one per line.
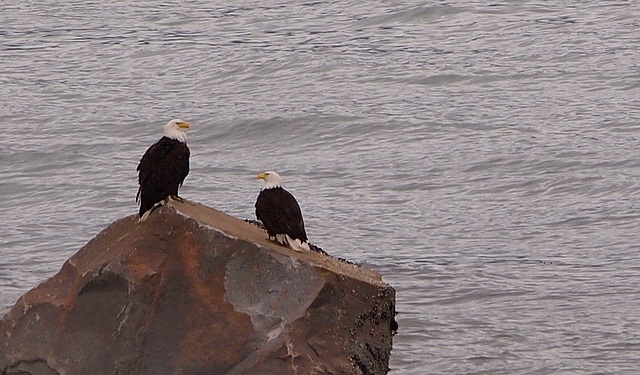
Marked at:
<point>195,291</point>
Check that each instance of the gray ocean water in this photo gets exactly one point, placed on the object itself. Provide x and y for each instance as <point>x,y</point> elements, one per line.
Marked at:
<point>482,156</point>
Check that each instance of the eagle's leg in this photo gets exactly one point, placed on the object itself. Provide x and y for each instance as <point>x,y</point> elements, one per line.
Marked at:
<point>176,198</point>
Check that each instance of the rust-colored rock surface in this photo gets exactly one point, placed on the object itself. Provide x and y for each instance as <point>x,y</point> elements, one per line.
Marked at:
<point>195,291</point>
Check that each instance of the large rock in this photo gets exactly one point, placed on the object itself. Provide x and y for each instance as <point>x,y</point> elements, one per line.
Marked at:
<point>195,291</point>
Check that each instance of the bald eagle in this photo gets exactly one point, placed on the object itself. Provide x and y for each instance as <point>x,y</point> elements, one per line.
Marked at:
<point>163,168</point>
<point>280,213</point>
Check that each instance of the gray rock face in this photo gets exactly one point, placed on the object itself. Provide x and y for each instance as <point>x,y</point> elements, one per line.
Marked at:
<point>194,291</point>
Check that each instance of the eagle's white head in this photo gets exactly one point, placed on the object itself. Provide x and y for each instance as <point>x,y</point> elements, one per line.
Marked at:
<point>175,129</point>
<point>271,179</point>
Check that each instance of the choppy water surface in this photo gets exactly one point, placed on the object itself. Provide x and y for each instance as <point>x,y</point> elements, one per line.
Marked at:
<point>482,156</point>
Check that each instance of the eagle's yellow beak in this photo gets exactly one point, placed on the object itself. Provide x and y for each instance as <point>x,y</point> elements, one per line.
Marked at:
<point>184,125</point>
<point>262,176</point>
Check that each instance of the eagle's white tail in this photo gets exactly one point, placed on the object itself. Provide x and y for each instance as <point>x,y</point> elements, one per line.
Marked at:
<point>145,216</point>
<point>295,245</point>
